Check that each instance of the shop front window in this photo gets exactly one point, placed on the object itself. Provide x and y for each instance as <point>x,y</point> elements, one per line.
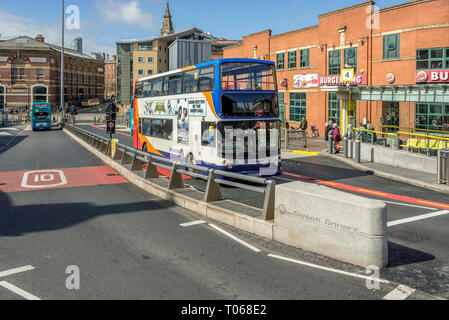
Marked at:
<point>297,105</point>
<point>432,116</point>
<point>334,108</point>
<point>390,116</point>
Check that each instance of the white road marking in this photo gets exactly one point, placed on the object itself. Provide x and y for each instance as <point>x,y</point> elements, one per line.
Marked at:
<point>417,218</point>
<point>18,291</point>
<point>235,238</point>
<point>4,133</point>
<point>15,270</point>
<point>193,223</point>
<point>355,275</point>
<point>409,205</point>
<point>400,293</point>
<point>9,129</point>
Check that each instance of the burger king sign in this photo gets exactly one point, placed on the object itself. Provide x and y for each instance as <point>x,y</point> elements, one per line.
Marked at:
<point>432,76</point>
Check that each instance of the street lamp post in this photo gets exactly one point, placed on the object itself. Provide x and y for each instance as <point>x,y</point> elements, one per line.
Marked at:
<point>62,62</point>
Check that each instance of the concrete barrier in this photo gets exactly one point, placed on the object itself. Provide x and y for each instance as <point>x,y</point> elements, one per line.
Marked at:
<point>332,223</point>
<point>397,158</point>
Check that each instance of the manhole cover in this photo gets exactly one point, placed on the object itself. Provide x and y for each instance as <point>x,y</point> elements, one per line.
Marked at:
<point>408,236</point>
<point>113,174</point>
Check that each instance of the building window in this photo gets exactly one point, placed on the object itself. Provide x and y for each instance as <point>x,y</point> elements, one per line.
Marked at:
<point>165,61</point>
<point>281,107</point>
<point>280,61</point>
<point>150,59</point>
<point>18,73</point>
<point>2,97</point>
<point>392,46</point>
<point>297,105</point>
<point>145,46</point>
<point>150,72</point>
<point>390,116</point>
<point>333,108</point>
<point>305,58</point>
<point>334,62</point>
<point>432,116</point>
<point>160,60</point>
<point>140,59</point>
<point>351,58</point>
<point>140,71</point>
<point>435,58</point>
<point>40,73</point>
<point>39,94</point>
<point>160,48</point>
<point>292,59</point>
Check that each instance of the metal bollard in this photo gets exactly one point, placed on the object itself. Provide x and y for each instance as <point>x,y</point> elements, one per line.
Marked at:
<point>345,146</point>
<point>305,139</point>
<point>357,151</point>
<point>330,144</point>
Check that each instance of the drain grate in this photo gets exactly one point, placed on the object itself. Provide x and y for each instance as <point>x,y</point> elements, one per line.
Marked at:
<point>408,236</point>
<point>113,174</point>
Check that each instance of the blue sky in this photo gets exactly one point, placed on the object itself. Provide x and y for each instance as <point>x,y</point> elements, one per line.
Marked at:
<point>103,22</point>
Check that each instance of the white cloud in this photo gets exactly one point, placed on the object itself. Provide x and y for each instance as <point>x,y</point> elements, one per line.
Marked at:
<point>12,25</point>
<point>128,12</point>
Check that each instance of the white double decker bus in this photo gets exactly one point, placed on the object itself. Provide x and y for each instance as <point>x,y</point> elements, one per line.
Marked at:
<point>222,114</point>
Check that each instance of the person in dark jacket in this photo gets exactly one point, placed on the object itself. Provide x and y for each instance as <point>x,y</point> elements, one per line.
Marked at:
<point>328,130</point>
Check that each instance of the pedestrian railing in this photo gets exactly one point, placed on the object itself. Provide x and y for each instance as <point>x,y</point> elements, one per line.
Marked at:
<point>138,160</point>
<point>424,142</point>
<point>293,138</point>
<point>414,130</point>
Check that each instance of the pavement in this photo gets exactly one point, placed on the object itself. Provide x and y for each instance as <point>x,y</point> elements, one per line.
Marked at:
<point>75,213</point>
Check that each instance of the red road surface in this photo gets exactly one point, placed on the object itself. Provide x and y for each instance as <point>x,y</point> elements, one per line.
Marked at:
<point>371,192</point>
<point>28,180</point>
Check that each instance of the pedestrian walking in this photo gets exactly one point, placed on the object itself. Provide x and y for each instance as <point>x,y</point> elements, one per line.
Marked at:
<point>336,136</point>
<point>303,124</point>
<point>327,130</point>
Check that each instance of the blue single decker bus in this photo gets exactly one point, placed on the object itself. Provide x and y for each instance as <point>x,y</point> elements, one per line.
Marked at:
<point>41,116</point>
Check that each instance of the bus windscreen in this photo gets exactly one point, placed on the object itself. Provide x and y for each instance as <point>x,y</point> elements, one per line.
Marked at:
<point>40,115</point>
<point>249,105</point>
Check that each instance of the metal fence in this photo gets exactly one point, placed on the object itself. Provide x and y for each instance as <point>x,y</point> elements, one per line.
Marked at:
<point>14,119</point>
<point>427,144</point>
<point>140,161</point>
<point>293,138</point>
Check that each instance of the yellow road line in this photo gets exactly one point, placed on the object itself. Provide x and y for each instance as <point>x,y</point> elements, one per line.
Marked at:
<point>433,204</point>
<point>373,192</point>
<point>327,182</point>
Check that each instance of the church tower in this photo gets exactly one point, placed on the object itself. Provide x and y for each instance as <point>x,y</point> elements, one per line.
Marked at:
<point>167,26</point>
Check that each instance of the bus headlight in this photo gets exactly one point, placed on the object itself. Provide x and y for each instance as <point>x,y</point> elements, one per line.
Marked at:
<point>230,166</point>
<point>276,163</point>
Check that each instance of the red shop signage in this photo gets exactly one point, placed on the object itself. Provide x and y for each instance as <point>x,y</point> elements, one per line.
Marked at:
<point>432,76</point>
<point>336,80</point>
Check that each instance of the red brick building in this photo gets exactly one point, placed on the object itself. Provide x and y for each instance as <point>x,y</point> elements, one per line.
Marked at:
<point>30,72</point>
<point>394,47</point>
<point>110,77</point>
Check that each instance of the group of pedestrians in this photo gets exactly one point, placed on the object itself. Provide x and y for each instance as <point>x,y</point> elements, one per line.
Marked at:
<point>332,130</point>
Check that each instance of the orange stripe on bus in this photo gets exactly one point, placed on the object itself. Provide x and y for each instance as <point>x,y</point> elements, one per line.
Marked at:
<point>210,101</point>
<point>188,68</point>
